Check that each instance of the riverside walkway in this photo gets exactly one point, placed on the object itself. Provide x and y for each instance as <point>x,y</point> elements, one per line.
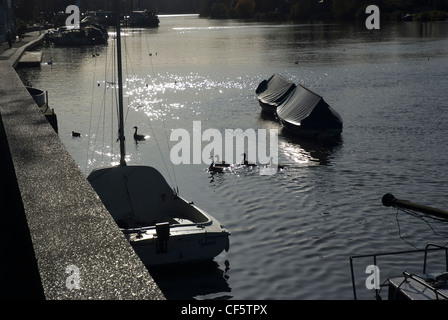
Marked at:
<point>57,240</point>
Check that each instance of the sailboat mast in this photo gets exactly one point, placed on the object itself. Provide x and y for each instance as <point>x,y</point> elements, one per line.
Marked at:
<point>120,88</point>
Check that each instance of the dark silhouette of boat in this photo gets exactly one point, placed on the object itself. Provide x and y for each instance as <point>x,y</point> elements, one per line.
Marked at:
<point>89,35</point>
<point>305,113</point>
<point>272,92</point>
<point>143,18</point>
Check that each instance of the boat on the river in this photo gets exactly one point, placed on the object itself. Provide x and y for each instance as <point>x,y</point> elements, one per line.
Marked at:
<point>429,284</point>
<point>306,114</point>
<point>272,92</point>
<point>143,18</point>
<point>88,35</point>
<point>162,227</point>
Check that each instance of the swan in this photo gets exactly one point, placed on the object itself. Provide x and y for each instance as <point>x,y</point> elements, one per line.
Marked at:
<point>138,137</point>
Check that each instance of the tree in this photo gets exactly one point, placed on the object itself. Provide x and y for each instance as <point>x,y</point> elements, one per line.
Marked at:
<point>300,10</point>
<point>218,11</point>
<point>345,9</point>
<point>245,8</point>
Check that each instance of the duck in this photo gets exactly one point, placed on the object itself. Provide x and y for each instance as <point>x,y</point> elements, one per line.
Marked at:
<point>75,134</point>
<point>279,166</point>
<point>275,168</point>
<point>215,168</point>
<point>223,163</point>
<point>138,137</point>
<point>246,163</point>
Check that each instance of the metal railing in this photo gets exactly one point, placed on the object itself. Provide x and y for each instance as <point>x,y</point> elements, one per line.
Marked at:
<point>436,291</point>
<point>427,249</point>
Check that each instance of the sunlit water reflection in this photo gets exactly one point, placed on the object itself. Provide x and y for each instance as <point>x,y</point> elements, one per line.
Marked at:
<point>292,232</point>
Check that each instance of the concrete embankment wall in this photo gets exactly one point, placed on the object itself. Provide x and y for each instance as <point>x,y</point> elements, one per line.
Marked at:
<point>57,240</point>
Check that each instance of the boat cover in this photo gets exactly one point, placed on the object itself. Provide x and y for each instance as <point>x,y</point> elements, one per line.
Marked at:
<point>307,109</point>
<point>274,90</point>
<point>133,194</point>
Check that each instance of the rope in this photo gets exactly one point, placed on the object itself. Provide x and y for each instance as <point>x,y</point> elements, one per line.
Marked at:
<point>102,117</point>
<point>90,118</point>
<point>424,218</point>
<point>128,59</point>
<point>158,146</point>
<point>175,184</point>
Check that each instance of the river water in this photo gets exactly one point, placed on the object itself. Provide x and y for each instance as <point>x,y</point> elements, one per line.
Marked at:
<point>292,232</point>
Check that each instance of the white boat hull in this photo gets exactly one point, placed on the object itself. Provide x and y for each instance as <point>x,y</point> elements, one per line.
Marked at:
<point>162,227</point>
<point>181,247</point>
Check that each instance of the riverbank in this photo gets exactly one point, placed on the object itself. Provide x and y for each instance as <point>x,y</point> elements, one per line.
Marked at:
<point>20,46</point>
<point>57,240</point>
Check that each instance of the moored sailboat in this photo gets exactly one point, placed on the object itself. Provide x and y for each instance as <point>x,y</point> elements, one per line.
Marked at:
<point>162,227</point>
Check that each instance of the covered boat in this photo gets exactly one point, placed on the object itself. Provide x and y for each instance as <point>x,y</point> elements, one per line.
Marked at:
<point>305,113</point>
<point>272,92</point>
<point>78,37</point>
<point>162,227</point>
<point>143,18</point>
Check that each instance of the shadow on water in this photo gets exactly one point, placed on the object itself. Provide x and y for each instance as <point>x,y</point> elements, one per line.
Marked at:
<point>205,280</point>
<point>320,151</point>
<point>264,116</point>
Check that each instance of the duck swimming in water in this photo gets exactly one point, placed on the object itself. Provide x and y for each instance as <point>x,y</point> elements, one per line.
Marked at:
<point>222,163</point>
<point>216,168</point>
<point>138,137</point>
<point>272,168</point>
<point>246,163</point>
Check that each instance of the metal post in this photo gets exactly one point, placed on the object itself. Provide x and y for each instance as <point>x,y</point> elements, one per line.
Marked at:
<point>120,88</point>
<point>390,201</point>
<point>353,278</point>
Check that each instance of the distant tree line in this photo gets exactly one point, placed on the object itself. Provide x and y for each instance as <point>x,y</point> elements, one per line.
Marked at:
<point>317,9</point>
<point>33,10</point>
